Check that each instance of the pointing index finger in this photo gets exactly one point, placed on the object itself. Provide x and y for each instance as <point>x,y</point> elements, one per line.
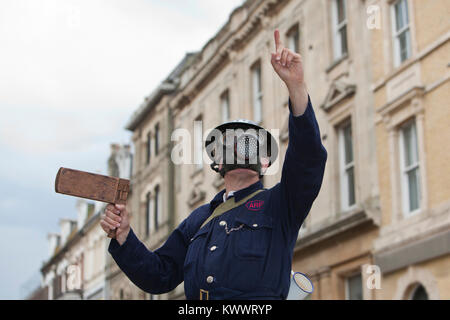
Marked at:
<point>278,44</point>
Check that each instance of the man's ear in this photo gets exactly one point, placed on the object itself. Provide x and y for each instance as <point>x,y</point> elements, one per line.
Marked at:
<point>264,165</point>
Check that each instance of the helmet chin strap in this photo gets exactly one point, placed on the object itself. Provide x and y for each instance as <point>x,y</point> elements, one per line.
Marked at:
<point>228,167</point>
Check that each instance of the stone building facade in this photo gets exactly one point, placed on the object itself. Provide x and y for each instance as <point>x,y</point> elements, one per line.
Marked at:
<point>77,264</point>
<point>411,94</point>
<point>378,75</point>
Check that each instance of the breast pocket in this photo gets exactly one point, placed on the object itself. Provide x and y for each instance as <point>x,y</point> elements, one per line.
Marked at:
<point>252,241</point>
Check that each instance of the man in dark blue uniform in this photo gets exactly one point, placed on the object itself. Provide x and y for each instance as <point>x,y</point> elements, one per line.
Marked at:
<point>240,245</point>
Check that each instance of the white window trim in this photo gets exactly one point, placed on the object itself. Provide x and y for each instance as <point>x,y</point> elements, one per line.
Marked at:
<point>148,146</point>
<point>257,95</point>
<point>157,198</point>
<point>337,42</point>
<point>149,213</point>
<point>157,139</point>
<point>414,289</point>
<point>225,106</point>
<point>198,145</point>
<point>343,167</point>
<point>293,39</point>
<point>396,34</point>
<point>404,170</point>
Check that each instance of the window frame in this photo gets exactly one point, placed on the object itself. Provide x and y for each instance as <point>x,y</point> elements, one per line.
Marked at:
<point>404,170</point>
<point>397,33</point>
<point>157,139</point>
<point>148,214</point>
<point>293,38</point>
<point>149,147</point>
<point>198,143</point>
<point>414,290</point>
<point>344,167</point>
<point>338,48</point>
<point>225,105</point>
<point>157,207</point>
<point>346,284</point>
<point>257,92</point>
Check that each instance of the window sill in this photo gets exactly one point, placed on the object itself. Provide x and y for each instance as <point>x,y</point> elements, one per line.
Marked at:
<point>408,215</point>
<point>336,62</point>
<point>334,226</point>
<point>394,71</point>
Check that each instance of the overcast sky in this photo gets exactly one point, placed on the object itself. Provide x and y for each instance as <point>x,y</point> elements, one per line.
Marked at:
<point>71,75</point>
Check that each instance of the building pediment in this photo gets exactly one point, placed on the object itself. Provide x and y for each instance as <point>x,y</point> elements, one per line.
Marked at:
<point>338,91</point>
<point>196,196</point>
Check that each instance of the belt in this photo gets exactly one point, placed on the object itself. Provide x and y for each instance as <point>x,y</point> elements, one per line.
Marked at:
<point>227,294</point>
<point>204,294</point>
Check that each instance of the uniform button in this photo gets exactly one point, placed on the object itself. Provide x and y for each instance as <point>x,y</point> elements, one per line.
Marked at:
<point>255,225</point>
<point>222,223</point>
<point>210,279</point>
<point>213,248</point>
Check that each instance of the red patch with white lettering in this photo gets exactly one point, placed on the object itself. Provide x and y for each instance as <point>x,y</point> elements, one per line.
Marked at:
<point>254,205</point>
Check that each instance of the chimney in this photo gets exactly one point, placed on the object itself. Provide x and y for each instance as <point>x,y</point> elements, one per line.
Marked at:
<point>54,241</point>
<point>113,168</point>
<point>124,161</point>
<point>82,212</point>
<point>120,161</point>
<point>67,226</point>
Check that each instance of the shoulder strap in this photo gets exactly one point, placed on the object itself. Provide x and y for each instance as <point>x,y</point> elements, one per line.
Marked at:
<point>228,205</point>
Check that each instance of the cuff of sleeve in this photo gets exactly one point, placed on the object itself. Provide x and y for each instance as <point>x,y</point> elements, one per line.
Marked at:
<point>306,115</point>
<point>115,248</point>
<point>304,133</point>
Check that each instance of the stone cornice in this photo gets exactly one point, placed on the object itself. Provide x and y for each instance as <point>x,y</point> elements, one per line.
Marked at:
<point>231,37</point>
<point>334,227</point>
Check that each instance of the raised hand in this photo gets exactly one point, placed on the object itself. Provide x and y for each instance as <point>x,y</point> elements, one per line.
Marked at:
<point>289,67</point>
<point>286,63</point>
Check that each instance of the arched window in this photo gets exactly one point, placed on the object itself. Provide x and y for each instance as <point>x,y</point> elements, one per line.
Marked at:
<point>419,293</point>
<point>148,219</point>
<point>157,204</point>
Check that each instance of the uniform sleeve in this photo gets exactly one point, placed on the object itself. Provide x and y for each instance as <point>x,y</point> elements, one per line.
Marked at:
<point>303,167</point>
<point>155,272</point>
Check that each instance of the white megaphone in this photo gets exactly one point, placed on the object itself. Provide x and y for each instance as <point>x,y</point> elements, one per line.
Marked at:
<point>300,288</point>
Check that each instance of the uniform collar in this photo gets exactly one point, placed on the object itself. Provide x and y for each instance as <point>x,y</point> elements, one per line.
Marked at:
<point>230,194</point>
<point>241,194</point>
<point>238,195</point>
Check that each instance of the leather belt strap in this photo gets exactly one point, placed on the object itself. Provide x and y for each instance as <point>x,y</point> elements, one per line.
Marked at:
<point>228,205</point>
<point>204,294</point>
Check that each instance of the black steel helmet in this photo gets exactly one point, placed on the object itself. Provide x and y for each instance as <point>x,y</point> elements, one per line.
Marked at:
<point>250,140</point>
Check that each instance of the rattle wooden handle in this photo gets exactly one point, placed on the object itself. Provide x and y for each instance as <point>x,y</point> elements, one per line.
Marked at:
<point>112,233</point>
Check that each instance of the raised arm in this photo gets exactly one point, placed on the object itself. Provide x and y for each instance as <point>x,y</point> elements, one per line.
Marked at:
<point>305,158</point>
<point>289,67</point>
